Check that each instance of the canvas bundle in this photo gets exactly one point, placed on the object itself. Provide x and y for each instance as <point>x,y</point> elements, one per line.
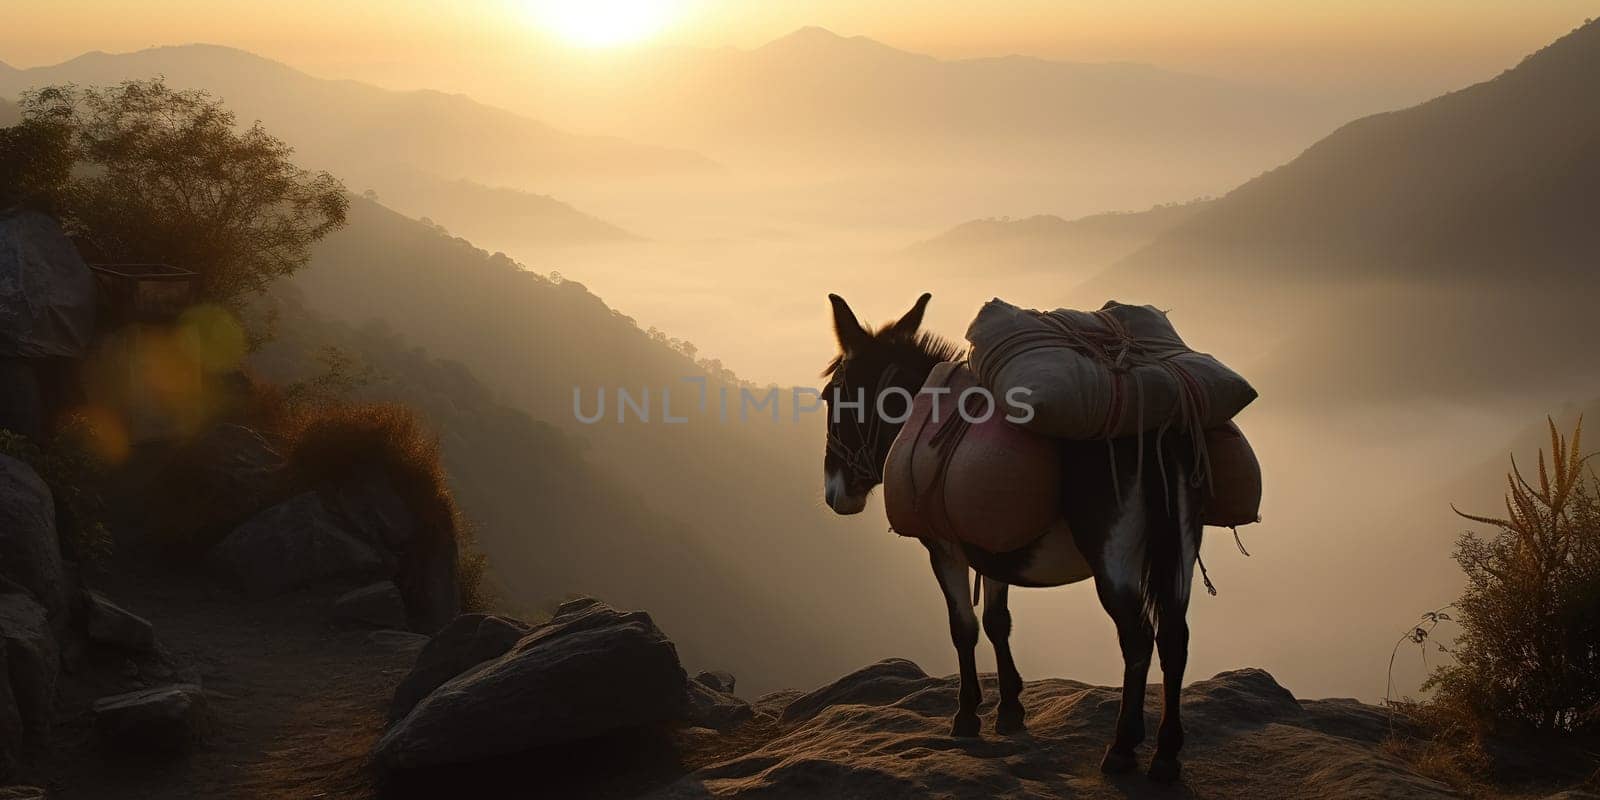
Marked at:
<point>1119,371</point>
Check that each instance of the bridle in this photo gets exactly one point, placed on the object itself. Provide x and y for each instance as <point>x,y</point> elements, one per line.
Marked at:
<point>862,462</point>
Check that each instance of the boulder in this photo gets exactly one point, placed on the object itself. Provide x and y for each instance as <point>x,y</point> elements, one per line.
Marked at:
<point>30,552</point>
<point>720,680</point>
<point>163,719</point>
<point>424,562</point>
<point>589,672</point>
<point>378,606</point>
<point>469,640</point>
<point>22,793</point>
<point>720,711</point>
<point>290,545</point>
<point>398,641</point>
<point>880,684</point>
<point>33,659</point>
<point>232,473</point>
<point>12,730</point>
<point>111,624</point>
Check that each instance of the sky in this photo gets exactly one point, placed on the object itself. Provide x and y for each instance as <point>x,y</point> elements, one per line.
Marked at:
<point>1423,44</point>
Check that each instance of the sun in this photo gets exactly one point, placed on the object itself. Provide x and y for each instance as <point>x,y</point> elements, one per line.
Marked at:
<point>602,23</point>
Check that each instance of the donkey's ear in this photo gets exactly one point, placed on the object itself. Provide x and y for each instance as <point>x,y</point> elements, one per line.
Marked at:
<point>845,326</point>
<point>909,323</point>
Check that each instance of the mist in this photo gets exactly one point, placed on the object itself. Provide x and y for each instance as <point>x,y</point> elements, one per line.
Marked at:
<point>733,190</point>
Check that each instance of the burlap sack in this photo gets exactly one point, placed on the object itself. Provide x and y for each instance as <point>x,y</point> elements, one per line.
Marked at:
<point>1119,371</point>
<point>989,484</point>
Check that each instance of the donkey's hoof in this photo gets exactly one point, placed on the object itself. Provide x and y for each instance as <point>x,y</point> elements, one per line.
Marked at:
<point>1117,762</point>
<point>1165,770</point>
<point>965,726</point>
<point>1009,720</point>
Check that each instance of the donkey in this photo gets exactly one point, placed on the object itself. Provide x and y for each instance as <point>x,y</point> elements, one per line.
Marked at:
<point>1129,510</point>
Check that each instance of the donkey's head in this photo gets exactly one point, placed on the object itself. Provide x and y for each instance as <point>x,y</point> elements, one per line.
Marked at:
<point>870,384</point>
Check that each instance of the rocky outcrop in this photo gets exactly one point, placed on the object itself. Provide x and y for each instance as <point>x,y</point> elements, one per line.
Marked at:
<point>717,710</point>
<point>112,625</point>
<point>34,610</point>
<point>377,605</point>
<point>882,732</point>
<point>422,561</point>
<point>356,526</point>
<point>470,640</point>
<point>164,719</point>
<point>30,552</point>
<point>292,544</point>
<point>590,671</point>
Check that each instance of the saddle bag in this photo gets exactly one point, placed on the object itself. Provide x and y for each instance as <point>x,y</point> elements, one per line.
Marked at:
<point>1235,497</point>
<point>972,477</point>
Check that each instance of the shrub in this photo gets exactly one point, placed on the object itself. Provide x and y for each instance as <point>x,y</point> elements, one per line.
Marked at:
<point>1528,653</point>
<point>66,463</point>
<point>327,441</point>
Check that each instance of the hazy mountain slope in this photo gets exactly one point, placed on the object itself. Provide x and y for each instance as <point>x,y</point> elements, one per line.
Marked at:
<point>496,213</point>
<point>9,113</point>
<point>1443,249</point>
<point>1048,242</point>
<point>817,100</point>
<point>356,129</point>
<point>747,491</point>
<point>552,523</point>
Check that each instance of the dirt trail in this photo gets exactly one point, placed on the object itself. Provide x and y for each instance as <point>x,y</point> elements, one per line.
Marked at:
<point>296,701</point>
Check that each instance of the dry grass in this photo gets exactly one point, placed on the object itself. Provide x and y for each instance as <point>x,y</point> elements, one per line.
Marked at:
<point>327,441</point>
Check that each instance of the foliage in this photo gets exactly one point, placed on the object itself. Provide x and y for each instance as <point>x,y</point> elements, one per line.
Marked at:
<point>67,465</point>
<point>329,441</point>
<point>1528,654</point>
<point>342,374</point>
<point>163,175</point>
<point>35,162</point>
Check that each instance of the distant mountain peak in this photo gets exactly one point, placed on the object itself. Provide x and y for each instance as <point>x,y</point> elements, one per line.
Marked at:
<point>817,40</point>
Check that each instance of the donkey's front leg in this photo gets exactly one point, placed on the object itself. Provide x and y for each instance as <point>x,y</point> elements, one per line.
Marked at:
<point>997,624</point>
<point>951,570</point>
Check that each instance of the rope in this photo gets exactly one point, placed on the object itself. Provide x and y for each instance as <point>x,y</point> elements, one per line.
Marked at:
<point>1112,346</point>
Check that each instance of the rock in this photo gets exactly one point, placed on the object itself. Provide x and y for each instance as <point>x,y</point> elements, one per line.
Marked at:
<point>33,660</point>
<point>883,732</point>
<point>773,703</point>
<point>589,672</point>
<point>720,680</point>
<point>111,624</point>
<point>709,708</point>
<point>470,640</point>
<point>164,719</point>
<point>12,730</point>
<point>880,684</point>
<point>368,505</point>
<point>398,641</point>
<point>30,552</point>
<point>21,793</point>
<point>378,605</point>
<point>290,545</point>
<point>220,480</point>
<point>423,561</point>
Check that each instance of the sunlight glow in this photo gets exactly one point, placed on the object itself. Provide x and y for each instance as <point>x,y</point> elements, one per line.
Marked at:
<point>602,23</point>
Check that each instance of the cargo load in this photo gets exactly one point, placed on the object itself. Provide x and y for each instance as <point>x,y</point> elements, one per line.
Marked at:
<point>1120,371</point>
<point>970,478</point>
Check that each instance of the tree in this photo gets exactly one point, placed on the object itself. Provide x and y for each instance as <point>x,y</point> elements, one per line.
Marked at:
<point>162,175</point>
<point>1529,650</point>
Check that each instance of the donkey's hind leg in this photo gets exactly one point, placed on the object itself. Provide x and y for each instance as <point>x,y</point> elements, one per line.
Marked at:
<point>997,624</point>
<point>1125,604</point>
<point>1172,634</point>
<point>951,569</point>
